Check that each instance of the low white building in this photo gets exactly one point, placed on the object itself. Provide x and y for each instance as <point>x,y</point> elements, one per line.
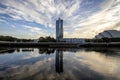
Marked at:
<point>73,40</point>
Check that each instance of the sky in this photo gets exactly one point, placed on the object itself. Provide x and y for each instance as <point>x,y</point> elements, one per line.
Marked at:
<point>31,19</point>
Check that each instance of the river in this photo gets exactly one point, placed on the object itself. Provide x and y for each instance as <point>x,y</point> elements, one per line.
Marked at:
<point>59,64</point>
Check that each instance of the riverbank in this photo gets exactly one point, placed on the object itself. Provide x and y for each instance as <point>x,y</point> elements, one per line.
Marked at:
<point>58,44</point>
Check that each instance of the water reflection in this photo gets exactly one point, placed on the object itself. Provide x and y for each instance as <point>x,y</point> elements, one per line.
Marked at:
<point>46,50</point>
<point>105,51</point>
<point>59,64</point>
<point>27,49</point>
<point>7,50</point>
<point>12,50</point>
<point>59,61</point>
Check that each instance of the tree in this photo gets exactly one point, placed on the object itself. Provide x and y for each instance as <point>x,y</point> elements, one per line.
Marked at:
<point>47,39</point>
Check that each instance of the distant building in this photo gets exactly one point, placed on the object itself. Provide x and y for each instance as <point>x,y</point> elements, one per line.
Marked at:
<point>59,30</point>
<point>73,40</point>
<point>36,40</point>
<point>108,34</point>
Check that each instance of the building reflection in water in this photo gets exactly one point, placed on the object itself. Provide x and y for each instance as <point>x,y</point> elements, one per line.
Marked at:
<point>59,61</point>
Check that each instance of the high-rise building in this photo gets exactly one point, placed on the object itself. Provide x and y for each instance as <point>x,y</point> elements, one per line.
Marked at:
<point>59,30</point>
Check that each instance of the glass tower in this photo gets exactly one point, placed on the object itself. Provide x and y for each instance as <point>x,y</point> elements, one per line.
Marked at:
<point>59,30</point>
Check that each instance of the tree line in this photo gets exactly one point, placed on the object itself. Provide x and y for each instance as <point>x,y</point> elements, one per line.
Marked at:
<point>14,39</point>
<point>52,39</point>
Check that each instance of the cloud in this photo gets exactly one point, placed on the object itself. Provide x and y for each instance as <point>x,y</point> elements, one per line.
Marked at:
<point>34,32</point>
<point>13,26</point>
<point>105,19</point>
<point>82,18</point>
<point>32,29</point>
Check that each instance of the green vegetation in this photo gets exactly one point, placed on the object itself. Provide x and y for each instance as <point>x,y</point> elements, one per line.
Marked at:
<point>7,38</point>
<point>103,40</point>
<point>47,39</point>
<point>13,39</point>
<point>51,39</point>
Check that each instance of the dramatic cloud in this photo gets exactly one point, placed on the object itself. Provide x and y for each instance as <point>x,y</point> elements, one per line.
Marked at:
<point>82,18</point>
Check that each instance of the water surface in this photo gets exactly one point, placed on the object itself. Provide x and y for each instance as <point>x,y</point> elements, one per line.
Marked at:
<point>59,64</point>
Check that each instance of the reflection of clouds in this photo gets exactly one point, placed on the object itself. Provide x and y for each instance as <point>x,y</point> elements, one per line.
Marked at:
<point>80,65</point>
<point>28,67</point>
<point>17,56</point>
<point>76,70</point>
<point>32,54</point>
<point>107,65</point>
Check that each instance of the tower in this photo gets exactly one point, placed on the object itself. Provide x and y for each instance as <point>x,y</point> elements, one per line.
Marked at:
<point>59,30</point>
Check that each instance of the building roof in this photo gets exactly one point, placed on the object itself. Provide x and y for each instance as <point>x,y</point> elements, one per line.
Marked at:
<point>109,34</point>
